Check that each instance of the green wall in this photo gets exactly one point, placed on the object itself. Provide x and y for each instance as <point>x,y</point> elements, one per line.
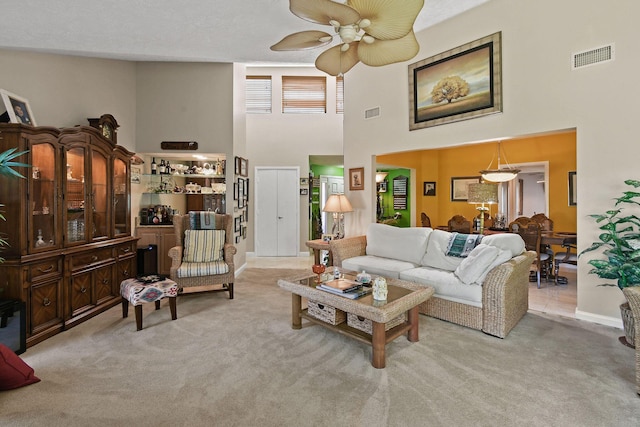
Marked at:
<point>315,230</point>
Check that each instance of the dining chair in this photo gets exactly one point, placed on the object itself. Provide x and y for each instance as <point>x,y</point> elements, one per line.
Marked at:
<point>531,234</point>
<point>546,225</point>
<point>459,224</point>
<point>570,256</point>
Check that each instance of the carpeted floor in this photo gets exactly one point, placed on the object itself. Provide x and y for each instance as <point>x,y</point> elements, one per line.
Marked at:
<point>238,363</point>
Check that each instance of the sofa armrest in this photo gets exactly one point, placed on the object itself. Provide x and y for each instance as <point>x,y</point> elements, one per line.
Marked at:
<point>175,253</point>
<point>346,248</point>
<point>505,295</point>
<point>229,251</point>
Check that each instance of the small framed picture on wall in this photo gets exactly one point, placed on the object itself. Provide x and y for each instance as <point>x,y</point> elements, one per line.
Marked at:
<point>429,188</point>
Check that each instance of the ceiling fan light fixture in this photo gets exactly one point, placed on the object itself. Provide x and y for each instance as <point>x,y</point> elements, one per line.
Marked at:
<point>385,27</point>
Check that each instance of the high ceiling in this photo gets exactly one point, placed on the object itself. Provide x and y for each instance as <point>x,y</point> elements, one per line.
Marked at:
<point>170,30</point>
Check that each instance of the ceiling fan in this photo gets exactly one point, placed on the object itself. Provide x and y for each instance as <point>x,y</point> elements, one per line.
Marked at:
<point>374,32</point>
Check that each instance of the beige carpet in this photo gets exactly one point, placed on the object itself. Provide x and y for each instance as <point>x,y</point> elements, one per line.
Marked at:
<point>238,363</point>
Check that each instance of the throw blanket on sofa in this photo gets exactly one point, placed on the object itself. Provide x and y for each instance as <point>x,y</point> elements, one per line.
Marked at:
<point>460,245</point>
<point>202,220</point>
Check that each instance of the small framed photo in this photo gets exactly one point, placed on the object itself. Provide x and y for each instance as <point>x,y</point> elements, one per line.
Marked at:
<point>460,187</point>
<point>246,189</point>
<point>304,191</point>
<point>573,192</point>
<point>136,173</point>
<point>356,179</point>
<point>244,167</point>
<point>236,163</point>
<point>327,237</point>
<point>237,224</point>
<point>17,108</point>
<point>304,181</point>
<point>429,188</point>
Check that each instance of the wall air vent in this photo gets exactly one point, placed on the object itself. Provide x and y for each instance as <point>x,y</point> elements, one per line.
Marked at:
<point>372,113</point>
<point>593,56</point>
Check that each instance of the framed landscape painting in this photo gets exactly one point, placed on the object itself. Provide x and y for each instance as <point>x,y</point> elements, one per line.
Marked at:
<point>459,84</point>
<point>460,187</point>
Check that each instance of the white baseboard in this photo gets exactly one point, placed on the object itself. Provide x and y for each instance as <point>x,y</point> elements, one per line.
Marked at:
<point>300,254</point>
<point>615,322</point>
<point>241,268</point>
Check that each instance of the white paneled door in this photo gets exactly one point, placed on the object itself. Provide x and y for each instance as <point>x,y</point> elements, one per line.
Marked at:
<point>277,222</point>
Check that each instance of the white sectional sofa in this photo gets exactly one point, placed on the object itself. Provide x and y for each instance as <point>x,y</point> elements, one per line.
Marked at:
<point>479,284</point>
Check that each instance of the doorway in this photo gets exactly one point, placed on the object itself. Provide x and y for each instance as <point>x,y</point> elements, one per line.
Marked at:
<point>277,212</point>
<point>527,194</point>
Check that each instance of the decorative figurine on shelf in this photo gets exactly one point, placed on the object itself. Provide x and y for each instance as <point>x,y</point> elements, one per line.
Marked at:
<point>69,174</point>
<point>40,241</point>
<point>380,289</point>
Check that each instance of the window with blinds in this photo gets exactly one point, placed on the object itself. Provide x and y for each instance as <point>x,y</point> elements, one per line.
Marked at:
<point>258,94</point>
<point>304,94</point>
<point>339,95</point>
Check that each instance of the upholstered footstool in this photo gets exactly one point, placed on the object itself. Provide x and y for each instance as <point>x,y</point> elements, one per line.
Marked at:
<point>138,292</point>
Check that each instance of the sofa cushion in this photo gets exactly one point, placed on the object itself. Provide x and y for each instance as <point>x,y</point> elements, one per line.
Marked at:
<point>199,269</point>
<point>436,254</point>
<point>473,266</point>
<point>404,244</point>
<point>511,242</point>
<point>446,285</point>
<point>377,265</point>
<point>203,245</point>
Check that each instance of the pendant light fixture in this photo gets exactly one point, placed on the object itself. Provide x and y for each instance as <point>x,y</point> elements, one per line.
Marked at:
<point>500,174</point>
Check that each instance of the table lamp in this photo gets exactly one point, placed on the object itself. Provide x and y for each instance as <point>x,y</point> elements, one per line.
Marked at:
<point>483,193</point>
<point>338,204</point>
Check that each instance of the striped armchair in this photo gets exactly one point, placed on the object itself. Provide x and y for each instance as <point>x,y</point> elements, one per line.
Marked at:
<point>203,255</point>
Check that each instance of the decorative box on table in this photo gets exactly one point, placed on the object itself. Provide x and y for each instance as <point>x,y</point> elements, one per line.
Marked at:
<point>326,313</point>
<point>366,325</point>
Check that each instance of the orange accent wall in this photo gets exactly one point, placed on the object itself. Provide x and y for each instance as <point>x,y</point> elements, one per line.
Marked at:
<point>440,165</point>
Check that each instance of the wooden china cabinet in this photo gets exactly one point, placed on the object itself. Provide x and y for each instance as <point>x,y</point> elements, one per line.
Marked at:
<point>68,224</point>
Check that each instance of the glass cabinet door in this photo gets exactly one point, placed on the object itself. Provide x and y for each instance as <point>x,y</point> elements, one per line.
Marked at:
<point>75,195</point>
<point>99,196</point>
<point>120,198</point>
<point>44,197</point>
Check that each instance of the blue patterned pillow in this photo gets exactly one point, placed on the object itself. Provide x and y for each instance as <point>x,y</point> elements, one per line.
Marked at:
<point>202,220</point>
<point>203,245</point>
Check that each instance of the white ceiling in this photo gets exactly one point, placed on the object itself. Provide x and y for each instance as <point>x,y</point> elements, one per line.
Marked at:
<point>173,30</point>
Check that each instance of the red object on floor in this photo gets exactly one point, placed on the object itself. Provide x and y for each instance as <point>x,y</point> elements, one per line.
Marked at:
<point>14,372</point>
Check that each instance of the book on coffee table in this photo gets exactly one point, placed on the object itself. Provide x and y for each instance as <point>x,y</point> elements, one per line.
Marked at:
<point>341,285</point>
<point>354,294</point>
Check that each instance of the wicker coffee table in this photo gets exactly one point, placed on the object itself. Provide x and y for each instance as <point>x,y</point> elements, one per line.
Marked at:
<point>403,297</point>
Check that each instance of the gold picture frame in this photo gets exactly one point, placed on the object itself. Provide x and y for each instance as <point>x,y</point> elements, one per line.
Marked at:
<point>470,79</point>
<point>356,179</point>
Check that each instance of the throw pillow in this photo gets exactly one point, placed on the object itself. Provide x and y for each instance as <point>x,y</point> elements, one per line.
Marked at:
<point>203,245</point>
<point>474,265</point>
<point>461,245</point>
<point>14,372</point>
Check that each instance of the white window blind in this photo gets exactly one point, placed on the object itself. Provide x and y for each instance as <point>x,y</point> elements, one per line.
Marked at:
<point>258,94</point>
<point>339,95</point>
<point>304,94</point>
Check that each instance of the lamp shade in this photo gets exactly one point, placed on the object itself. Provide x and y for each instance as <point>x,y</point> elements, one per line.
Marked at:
<point>380,176</point>
<point>483,193</point>
<point>337,203</point>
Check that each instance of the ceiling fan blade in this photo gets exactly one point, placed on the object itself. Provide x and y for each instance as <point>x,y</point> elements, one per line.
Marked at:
<point>303,40</point>
<point>383,52</point>
<point>323,11</point>
<point>334,61</point>
<point>390,19</point>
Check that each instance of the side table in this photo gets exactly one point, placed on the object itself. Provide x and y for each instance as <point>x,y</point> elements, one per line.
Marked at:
<point>319,245</point>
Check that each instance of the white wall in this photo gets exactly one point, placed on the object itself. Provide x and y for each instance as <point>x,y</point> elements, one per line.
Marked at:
<point>64,91</point>
<point>278,139</point>
<point>541,93</point>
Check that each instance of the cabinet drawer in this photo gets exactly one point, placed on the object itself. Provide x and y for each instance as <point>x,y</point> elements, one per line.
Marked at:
<point>93,257</point>
<point>52,267</point>
<point>126,250</point>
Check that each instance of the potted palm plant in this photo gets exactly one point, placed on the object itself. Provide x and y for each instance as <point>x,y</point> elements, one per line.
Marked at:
<point>620,241</point>
<point>6,165</point>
